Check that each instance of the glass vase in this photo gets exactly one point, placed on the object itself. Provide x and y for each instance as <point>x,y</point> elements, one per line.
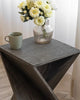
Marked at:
<point>43,34</point>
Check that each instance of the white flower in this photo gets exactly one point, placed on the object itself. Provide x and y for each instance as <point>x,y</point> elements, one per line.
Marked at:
<point>39,21</point>
<point>41,13</point>
<point>27,18</point>
<point>22,18</point>
<point>46,8</point>
<point>22,5</point>
<point>52,4</point>
<point>25,11</point>
<point>34,12</point>
<point>30,4</point>
<point>49,14</point>
<point>44,1</point>
<point>39,3</point>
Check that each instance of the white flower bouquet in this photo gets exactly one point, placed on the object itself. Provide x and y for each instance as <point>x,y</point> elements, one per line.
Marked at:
<point>37,10</point>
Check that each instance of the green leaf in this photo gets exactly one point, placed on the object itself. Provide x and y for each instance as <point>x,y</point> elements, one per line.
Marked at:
<point>22,13</point>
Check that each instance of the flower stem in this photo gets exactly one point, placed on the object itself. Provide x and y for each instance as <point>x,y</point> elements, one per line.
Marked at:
<point>44,31</point>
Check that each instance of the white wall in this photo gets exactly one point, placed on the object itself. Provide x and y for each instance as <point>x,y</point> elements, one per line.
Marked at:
<point>66,21</point>
<point>66,18</point>
<point>10,19</point>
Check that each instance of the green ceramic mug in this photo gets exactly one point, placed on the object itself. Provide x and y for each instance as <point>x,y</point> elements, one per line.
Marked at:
<point>15,40</point>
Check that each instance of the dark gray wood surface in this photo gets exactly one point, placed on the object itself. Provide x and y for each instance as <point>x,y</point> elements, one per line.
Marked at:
<point>36,54</point>
<point>53,72</point>
<point>22,86</point>
<point>44,65</point>
<point>33,74</point>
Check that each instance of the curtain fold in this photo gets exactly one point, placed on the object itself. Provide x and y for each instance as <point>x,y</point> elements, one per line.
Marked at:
<point>66,18</point>
<point>11,22</point>
<point>76,69</point>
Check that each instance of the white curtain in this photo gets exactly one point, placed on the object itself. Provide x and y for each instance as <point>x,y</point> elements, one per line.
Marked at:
<point>66,21</point>
<point>10,19</point>
<point>65,24</point>
<point>76,69</point>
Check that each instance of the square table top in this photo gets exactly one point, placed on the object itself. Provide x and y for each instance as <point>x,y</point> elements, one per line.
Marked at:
<point>37,55</point>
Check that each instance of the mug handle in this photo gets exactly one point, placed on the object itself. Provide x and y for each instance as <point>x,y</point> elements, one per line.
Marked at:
<point>7,40</point>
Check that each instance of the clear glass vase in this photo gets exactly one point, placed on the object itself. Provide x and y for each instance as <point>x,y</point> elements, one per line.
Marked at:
<point>43,34</point>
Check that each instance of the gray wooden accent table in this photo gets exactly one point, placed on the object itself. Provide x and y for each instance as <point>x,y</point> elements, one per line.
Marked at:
<point>35,70</point>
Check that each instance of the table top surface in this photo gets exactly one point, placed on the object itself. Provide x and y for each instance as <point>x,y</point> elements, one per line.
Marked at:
<point>37,55</point>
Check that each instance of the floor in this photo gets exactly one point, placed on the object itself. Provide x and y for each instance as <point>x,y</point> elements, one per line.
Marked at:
<point>62,90</point>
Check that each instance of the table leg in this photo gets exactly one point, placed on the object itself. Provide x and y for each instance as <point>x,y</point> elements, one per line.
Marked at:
<point>53,72</point>
<point>22,86</point>
<point>13,98</point>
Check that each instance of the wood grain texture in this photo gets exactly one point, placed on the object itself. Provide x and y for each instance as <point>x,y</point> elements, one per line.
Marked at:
<point>13,98</point>
<point>53,72</point>
<point>62,90</point>
<point>26,61</point>
<point>22,86</point>
<point>36,55</point>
